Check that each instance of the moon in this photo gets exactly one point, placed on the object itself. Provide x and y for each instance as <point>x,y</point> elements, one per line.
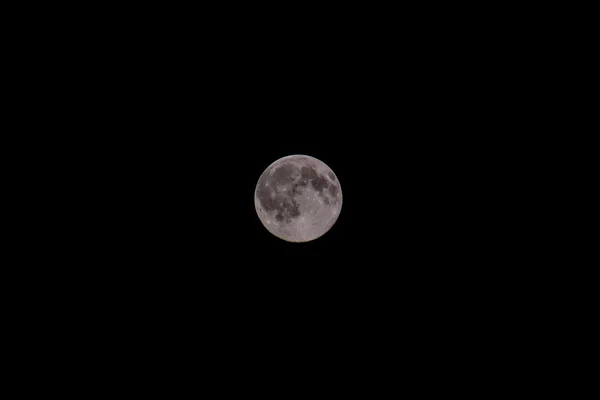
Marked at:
<point>298,198</point>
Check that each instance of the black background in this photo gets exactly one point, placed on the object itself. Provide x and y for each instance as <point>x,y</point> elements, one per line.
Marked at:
<point>183,126</point>
<point>174,121</point>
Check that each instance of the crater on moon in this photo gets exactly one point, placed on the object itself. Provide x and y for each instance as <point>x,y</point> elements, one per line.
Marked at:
<point>298,198</point>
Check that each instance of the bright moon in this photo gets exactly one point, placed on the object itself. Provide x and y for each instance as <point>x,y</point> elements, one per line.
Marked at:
<point>298,198</point>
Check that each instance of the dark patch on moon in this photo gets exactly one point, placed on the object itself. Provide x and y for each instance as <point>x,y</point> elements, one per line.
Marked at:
<point>310,174</point>
<point>331,175</point>
<point>264,195</point>
<point>319,184</point>
<point>333,189</point>
<point>290,208</point>
<point>284,207</point>
<point>275,201</point>
<point>297,187</point>
<point>283,174</point>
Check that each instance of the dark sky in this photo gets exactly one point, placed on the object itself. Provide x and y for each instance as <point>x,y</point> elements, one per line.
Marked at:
<point>182,122</point>
<point>187,118</point>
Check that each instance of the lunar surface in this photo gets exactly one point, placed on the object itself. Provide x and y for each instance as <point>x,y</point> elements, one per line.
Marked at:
<point>298,198</point>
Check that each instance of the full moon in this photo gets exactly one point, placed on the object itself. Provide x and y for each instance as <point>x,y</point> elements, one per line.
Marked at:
<point>298,198</point>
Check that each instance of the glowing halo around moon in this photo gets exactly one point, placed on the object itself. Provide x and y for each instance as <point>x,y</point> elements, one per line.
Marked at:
<point>298,198</point>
